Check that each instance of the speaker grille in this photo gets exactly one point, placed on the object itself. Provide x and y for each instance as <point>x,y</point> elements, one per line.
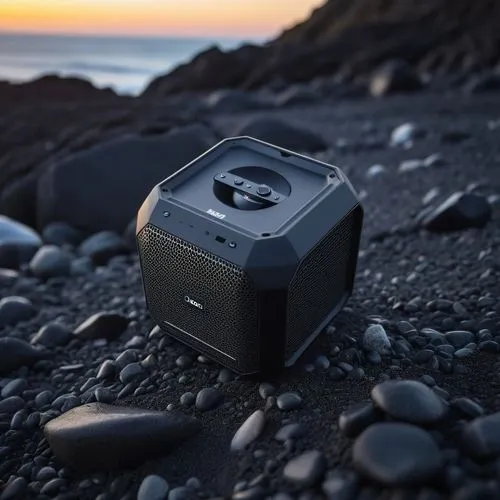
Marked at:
<point>227,327</point>
<point>319,284</point>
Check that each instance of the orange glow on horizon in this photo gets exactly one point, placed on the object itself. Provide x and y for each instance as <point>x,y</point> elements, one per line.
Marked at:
<point>238,18</point>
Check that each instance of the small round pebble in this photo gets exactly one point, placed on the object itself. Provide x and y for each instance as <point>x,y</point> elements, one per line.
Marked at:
<point>306,469</point>
<point>153,487</point>
<point>289,401</point>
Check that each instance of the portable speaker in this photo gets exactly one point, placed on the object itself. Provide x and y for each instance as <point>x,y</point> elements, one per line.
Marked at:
<point>248,252</point>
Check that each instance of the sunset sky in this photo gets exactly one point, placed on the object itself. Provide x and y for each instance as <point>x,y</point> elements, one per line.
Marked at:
<point>154,17</point>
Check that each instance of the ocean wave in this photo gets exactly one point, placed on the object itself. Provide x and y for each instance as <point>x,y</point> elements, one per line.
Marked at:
<point>105,68</point>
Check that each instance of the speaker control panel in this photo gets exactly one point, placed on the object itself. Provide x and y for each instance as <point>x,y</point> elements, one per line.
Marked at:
<point>251,188</point>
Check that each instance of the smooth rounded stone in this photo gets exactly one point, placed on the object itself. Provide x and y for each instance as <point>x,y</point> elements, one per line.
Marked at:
<point>459,338</point>
<point>397,454</point>
<point>406,328</point>
<point>405,134</point>
<point>466,407</point>
<point>481,437</point>
<point>266,390</point>
<point>375,339</point>
<point>194,483</point>
<point>306,469</point>
<point>44,398</point>
<point>184,361</point>
<point>153,487</point>
<point>81,266</point>
<point>187,399</point>
<point>375,170</point>
<point>322,362</point>
<point>423,356</point>
<point>290,431</point>
<point>18,243</point>
<point>14,388</point>
<point>182,493</point>
<point>106,370</point>
<point>52,335</point>
<point>103,325</point>
<point>340,488</point>
<point>46,473</point>
<point>249,431</point>
<point>282,134</point>
<point>15,309</point>
<point>460,211</point>
<point>208,399</point>
<point>16,488</point>
<point>225,376</point>
<point>11,404</point>
<point>126,357</point>
<point>253,493</point>
<point>289,401</point>
<point>131,372</point>
<point>103,246</point>
<point>60,234</point>
<point>337,374</point>
<point>357,418</point>
<point>432,194</point>
<point>15,353</point>
<point>410,165</point>
<point>103,395</point>
<point>374,358</point>
<point>50,261</point>
<point>136,342</point>
<point>463,353</point>
<point>52,487</point>
<point>409,401</point>
<point>489,346</point>
<point>81,438</point>
<point>394,76</point>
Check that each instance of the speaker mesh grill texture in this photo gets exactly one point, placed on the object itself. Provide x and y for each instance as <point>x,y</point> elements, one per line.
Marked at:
<point>227,327</point>
<point>319,284</point>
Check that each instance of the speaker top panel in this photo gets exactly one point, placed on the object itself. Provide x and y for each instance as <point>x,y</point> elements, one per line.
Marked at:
<point>250,184</point>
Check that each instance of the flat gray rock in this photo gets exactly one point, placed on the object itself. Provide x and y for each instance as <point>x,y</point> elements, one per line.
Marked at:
<point>103,437</point>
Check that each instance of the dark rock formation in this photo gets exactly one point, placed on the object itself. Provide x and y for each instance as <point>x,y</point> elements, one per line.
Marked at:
<point>353,38</point>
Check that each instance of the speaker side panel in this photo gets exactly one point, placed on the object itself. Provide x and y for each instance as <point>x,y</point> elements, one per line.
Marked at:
<point>224,323</point>
<point>322,284</point>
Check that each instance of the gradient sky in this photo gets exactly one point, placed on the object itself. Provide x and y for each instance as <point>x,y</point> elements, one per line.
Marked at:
<point>238,18</point>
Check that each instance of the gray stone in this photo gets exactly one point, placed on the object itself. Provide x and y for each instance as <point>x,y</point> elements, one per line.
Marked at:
<point>81,438</point>
<point>249,431</point>
<point>153,487</point>
<point>397,455</point>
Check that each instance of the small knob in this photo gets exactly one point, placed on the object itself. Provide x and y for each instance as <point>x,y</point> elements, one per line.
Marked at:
<point>264,190</point>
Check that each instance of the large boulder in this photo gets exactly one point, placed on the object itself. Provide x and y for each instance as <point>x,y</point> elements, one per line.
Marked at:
<point>102,188</point>
<point>211,69</point>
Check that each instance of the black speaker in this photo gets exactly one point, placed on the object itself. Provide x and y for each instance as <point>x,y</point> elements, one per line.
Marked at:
<point>248,252</point>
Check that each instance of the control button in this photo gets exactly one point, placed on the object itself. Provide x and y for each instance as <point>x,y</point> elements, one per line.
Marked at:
<point>238,182</point>
<point>248,186</point>
<point>232,244</point>
<point>222,176</point>
<point>264,190</point>
<point>166,214</point>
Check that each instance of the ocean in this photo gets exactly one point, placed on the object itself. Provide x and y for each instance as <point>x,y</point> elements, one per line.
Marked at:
<point>125,64</point>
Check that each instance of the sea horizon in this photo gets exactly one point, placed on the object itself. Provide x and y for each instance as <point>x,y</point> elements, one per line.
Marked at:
<point>124,63</point>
